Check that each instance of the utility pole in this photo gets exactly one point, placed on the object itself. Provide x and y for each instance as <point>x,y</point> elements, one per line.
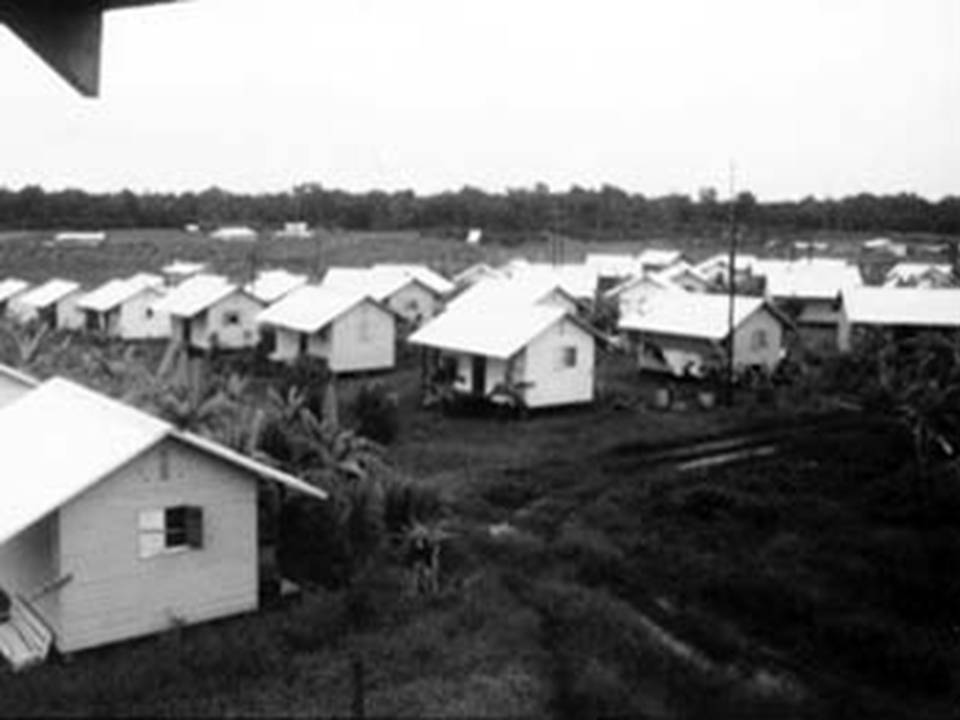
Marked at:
<point>731,284</point>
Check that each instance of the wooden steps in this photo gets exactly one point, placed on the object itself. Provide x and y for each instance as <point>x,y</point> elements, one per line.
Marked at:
<point>25,639</point>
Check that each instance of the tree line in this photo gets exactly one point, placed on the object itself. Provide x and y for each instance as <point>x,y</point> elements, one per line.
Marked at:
<point>605,213</point>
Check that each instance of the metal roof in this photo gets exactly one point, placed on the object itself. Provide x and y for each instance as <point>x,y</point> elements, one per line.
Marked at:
<point>497,332</point>
<point>311,307</point>
<point>18,376</point>
<point>507,293</point>
<point>49,292</point>
<point>88,436</point>
<point>431,278</point>
<point>271,285</point>
<point>903,306</point>
<point>909,271</point>
<point>378,283</point>
<point>116,292</point>
<point>698,315</point>
<point>818,278</point>
<point>11,287</point>
<point>195,294</point>
<point>183,267</point>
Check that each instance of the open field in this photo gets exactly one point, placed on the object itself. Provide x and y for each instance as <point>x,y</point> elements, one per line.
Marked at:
<point>805,584</point>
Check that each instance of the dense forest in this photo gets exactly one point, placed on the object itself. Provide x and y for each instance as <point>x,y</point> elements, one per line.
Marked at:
<point>608,212</point>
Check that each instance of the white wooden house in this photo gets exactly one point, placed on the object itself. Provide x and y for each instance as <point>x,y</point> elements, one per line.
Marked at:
<point>513,293</point>
<point>53,303</point>
<point>921,275</point>
<point>350,330</point>
<point>899,312</point>
<point>685,333</point>
<point>808,291</point>
<point>129,528</point>
<point>9,290</point>
<point>208,311</point>
<point>124,308</point>
<point>14,384</point>
<point>177,271</point>
<point>234,233</point>
<point>406,294</point>
<point>541,352</point>
<point>634,294</point>
<point>429,277</point>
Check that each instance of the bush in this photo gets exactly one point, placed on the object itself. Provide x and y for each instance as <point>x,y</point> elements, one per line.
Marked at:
<point>377,413</point>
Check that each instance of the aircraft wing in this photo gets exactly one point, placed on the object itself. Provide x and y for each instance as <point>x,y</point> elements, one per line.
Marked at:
<point>66,34</point>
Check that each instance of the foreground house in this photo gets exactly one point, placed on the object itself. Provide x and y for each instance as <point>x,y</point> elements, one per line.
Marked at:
<point>684,334</point>
<point>123,308</point>
<point>53,303</point>
<point>539,353</point>
<point>9,290</point>
<point>897,312</point>
<point>14,384</point>
<point>208,311</point>
<point>350,330</point>
<point>130,528</point>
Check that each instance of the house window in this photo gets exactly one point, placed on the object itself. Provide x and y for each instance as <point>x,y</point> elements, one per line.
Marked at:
<point>231,317</point>
<point>567,357</point>
<point>149,313</point>
<point>169,530</point>
<point>758,340</point>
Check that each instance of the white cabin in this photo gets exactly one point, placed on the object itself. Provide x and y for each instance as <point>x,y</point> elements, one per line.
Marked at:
<point>10,289</point>
<point>897,311</point>
<point>540,352</point>
<point>124,308</point>
<point>685,333</point>
<point>131,528</point>
<point>208,311</point>
<point>413,299</point>
<point>53,303</point>
<point>351,331</point>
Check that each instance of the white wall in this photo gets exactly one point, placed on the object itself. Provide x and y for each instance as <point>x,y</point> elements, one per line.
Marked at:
<point>414,301</point>
<point>747,352</point>
<point>115,594</point>
<point>554,384</point>
<point>69,316</point>
<point>363,338</point>
<point>243,334</point>
<point>138,321</point>
<point>633,299</point>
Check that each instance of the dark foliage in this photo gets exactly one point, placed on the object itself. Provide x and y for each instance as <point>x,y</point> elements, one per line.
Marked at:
<point>377,413</point>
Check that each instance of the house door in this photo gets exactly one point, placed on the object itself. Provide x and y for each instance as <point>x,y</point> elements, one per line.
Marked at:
<point>185,333</point>
<point>479,376</point>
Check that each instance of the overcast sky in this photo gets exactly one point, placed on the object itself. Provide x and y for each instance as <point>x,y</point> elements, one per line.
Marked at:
<point>822,97</point>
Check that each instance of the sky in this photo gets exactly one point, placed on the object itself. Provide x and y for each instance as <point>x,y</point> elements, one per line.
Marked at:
<point>804,97</point>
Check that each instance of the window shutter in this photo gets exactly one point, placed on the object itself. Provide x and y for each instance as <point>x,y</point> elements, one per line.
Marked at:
<point>194,526</point>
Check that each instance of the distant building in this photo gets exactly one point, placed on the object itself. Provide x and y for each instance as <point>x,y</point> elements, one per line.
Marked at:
<point>272,285</point>
<point>124,308</point>
<point>897,312</point>
<point>237,233</point>
<point>294,230</point>
<point>685,334</point>
<point>79,239</point>
<point>411,297</point>
<point>53,303</point>
<point>179,270</point>
<point>208,311</point>
<point>921,275</point>
<point>350,330</point>
<point>10,289</point>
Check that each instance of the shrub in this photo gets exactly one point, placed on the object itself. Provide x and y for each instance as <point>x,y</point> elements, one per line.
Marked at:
<point>377,413</point>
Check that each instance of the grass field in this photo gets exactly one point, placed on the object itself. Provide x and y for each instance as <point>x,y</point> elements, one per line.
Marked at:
<point>800,585</point>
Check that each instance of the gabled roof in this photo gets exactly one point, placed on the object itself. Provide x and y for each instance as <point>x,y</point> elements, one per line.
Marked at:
<point>697,315</point>
<point>477,271</point>
<point>116,292</point>
<point>508,293</point>
<point>432,279</point>
<point>903,306</point>
<point>498,333</point>
<point>271,285</point>
<point>818,278</point>
<point>613,264</point>
<point>92,435</point>
<point>11,287</point>
<point>680,268</point>
<point>721,260</point>
<point>379,284</point>
<point>577,279</point>
<point>49,292</point>
<point>904,272</point>
<point>310,308</point>
<point>195,294</point>
<point>183,267</point>
<point>654,279</point>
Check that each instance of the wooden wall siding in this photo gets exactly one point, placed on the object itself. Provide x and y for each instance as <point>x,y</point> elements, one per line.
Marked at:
<point>363,338</point>
<point>552,383</point>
